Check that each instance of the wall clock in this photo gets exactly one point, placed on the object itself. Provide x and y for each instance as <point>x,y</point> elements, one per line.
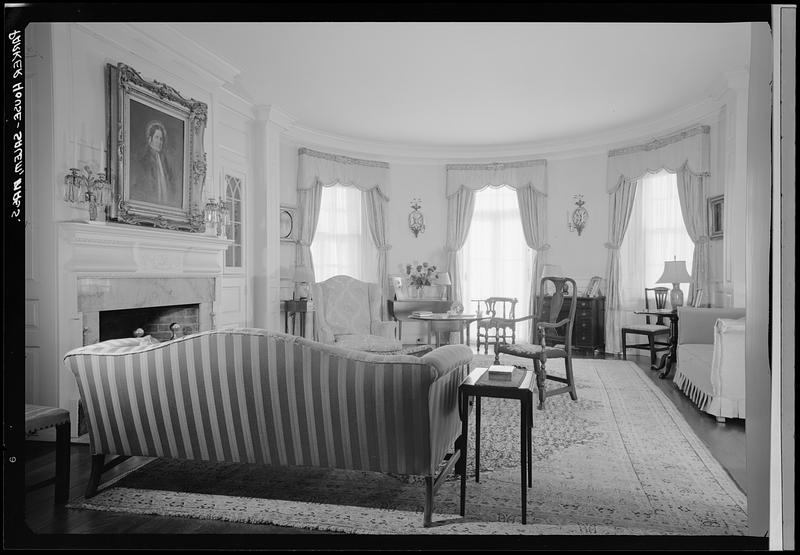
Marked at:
<point>288,223</point>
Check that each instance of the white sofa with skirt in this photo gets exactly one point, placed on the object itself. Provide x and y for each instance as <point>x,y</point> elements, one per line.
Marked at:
<point>711,365</point>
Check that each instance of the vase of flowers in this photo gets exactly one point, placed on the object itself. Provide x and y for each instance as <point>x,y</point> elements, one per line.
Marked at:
<point>419,277</point>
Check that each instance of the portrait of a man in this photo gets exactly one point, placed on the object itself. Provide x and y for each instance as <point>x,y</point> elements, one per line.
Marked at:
<point>156,158</point>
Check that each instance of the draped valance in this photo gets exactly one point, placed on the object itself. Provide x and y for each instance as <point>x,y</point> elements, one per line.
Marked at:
<point>528,173</point>
<point>328,169</point>
<point>690,147</point>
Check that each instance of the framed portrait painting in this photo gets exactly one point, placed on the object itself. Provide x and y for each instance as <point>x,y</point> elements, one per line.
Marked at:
<point>157,164</point>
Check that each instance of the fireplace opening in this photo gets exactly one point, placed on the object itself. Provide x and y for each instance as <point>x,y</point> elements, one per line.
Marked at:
<point>154,320</point>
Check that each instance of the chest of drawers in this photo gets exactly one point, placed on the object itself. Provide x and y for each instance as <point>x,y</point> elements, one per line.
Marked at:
<point>588,330</point>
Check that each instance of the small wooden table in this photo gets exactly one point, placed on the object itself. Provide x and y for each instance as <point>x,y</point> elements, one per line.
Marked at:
<point>443,323</point>
<point>478,385</point>
<point>295,307</point>
<point>668,358</point>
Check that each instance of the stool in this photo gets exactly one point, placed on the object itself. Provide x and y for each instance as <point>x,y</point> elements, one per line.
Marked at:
<point>39,418</point>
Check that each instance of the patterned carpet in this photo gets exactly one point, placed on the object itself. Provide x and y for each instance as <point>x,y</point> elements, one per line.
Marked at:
<point>619,460</point>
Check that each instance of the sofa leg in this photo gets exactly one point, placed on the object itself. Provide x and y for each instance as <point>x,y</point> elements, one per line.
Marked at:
<point>98,462</point>
<point>428,514</point>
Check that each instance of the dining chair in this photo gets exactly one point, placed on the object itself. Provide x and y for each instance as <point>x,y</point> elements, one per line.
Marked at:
<point>554,319</point>
<point>657,334</point>
<point>501,326</point>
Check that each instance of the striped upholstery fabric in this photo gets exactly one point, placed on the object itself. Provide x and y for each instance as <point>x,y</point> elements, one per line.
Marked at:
<point>248,395</point>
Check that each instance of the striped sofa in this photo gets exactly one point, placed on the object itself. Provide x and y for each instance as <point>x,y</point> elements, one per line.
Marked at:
<point>250,395</point>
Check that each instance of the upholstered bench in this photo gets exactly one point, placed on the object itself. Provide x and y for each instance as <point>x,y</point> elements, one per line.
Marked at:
<point>40,418</point>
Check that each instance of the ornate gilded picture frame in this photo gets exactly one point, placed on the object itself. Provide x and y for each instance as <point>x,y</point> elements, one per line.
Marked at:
<point>156,160</point>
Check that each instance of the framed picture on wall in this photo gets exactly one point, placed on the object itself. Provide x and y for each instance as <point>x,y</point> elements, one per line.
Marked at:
<point>288,223</point>
<point>156,161</point>
<point>715,219</point>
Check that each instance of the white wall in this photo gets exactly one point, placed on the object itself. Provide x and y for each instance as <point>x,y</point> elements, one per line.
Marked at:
<point>581,256</point>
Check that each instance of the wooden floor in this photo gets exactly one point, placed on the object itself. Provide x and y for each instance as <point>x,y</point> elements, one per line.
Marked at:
<point>725,441</point>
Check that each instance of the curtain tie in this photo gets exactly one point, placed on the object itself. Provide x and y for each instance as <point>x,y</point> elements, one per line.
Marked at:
<point>451,249</point>
<point>545,247</point>
<point>611,246</point>
<point>385,248</point>
<point>304,244</point>
<point>702,239</point>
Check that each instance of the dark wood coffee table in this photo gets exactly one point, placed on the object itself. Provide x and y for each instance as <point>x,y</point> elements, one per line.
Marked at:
<point>478,385</point>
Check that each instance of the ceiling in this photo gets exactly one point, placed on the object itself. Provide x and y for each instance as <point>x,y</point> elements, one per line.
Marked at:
<point>473,84</point>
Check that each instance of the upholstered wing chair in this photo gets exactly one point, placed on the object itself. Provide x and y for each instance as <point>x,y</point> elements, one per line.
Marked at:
<point>348,314</point>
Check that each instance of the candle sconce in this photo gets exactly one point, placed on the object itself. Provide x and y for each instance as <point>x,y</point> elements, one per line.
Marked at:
<point>577,222</point>
<point>217,217</point>
<point>86,189</point>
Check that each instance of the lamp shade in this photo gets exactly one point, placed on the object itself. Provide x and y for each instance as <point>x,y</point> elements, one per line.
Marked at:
<point>675,272</point>
<point>552,270</point>
<point>444,279</point>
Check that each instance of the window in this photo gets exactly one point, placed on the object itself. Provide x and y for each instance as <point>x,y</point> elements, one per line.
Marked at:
<point>497,261</point>
<point>233,197</point>
<point>656,233</point>
<point>342,242</point>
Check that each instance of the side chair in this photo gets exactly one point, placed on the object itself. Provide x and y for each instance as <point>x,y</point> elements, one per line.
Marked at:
<point>554,320</point>
<point>501,310</point>
<point>657,334</point>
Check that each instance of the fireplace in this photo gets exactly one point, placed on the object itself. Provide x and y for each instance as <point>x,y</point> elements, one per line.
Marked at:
<point>154,321</point>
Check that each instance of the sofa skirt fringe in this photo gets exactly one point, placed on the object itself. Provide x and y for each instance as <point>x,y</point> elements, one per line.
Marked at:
<point>718,406</point>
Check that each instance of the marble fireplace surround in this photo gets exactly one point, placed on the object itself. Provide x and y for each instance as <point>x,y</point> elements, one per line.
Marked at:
<point>101,294</point>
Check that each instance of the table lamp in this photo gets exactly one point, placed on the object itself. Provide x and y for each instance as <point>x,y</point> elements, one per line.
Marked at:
<point>302,277</point>
<point>675,273</point>
<point>444,279</point>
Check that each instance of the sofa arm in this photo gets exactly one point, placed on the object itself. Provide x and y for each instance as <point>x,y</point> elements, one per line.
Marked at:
<point>383,328</point>
<point>450,364</point>
<point>696,325</point>
<point>727,362</point>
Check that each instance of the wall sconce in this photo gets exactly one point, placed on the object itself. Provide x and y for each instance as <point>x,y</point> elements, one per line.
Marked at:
<point>84,187</point>
<point>579,216</point>
<point>224,219</point>
<point>416,223</point>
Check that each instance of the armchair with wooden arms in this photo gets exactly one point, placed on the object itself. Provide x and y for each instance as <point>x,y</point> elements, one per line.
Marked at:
<point>502,324</point>
<point>553,337</point>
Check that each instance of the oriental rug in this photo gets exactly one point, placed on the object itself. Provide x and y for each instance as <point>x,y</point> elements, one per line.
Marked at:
<point>619,460</point>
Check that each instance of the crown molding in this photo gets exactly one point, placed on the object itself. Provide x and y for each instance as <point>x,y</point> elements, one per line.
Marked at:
<point>273,114</point>
<point>164,46</point>
<point>597,144</point>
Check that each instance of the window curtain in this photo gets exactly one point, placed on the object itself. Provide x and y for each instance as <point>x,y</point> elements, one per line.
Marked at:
<point>692,189</point>
<point>620,208</point>
<point>319,169</point>
<point>463,180</point>
<point>460,207</point>
<point>532,210</point>
<point>687,150</point>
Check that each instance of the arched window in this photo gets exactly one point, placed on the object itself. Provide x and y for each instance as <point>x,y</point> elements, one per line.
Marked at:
<point>233,197</point>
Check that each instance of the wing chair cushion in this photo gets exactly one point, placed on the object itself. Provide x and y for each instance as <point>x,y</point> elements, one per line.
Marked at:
<point>346,305</point>
<point>369,343</point>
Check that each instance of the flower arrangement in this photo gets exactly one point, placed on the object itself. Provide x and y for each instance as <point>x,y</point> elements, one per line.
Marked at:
<point>421,274</point>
